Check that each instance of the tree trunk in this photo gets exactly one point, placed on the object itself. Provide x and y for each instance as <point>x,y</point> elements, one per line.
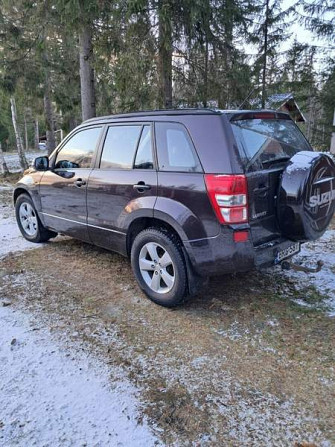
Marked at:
<point>165,54</point>
<point>87,81</point>
<point>49,119</point>
<point>311,116</point>
<point>3,165</point>
<point>26,144</point>
<point>19,144</point>
<point>265,53</point>
<point>332,143</point>
<point>227,81</point>
<point>36,134</point>
<point>205,93</point>
<point>48,112</point>
<point>72,123</point>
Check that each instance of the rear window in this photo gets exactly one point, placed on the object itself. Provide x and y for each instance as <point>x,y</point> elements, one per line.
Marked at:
<point>266,141</point>
<point>175,149</point>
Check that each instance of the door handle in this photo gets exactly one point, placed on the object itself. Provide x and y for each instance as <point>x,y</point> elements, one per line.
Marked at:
<point>141,187</point>
<point>261,189</point>
<point>79,182</point>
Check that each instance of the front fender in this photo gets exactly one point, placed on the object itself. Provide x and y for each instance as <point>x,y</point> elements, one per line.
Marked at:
<point>29,184</point>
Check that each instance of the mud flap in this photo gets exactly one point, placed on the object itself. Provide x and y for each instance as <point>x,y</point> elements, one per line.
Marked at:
<point>194,282</point>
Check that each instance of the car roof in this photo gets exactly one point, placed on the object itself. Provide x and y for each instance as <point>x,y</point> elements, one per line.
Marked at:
<point>176,112</point>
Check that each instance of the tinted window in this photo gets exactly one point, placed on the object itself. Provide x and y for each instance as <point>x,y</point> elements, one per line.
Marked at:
<point>120,146</point>
<point>267,141</point>
<point>144,158</point>
<point>78,151</point>
<point>175,149</point>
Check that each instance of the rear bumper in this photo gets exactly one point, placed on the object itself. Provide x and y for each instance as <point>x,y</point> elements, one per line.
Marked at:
<point>221,255</point>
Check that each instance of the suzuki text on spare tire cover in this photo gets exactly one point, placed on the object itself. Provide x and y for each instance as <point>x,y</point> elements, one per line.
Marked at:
<point>185,194</point>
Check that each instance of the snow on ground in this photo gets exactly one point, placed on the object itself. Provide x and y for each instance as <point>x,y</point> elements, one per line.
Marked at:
<point>12,160</point>
<point>49,397</point>
<point>11,239</point>
<point>324,281</point>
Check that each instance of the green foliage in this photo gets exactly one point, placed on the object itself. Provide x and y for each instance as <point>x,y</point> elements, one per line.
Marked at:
<point>132,41</point>
<point>320,17</point>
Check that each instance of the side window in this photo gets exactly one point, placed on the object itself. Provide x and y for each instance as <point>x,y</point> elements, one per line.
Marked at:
<point>175,149</point>
<point>78,151</point>
<point>144,158</point>
<point>120,146</point>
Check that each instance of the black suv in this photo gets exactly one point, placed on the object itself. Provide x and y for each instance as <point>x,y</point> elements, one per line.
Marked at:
<point>184,193</point>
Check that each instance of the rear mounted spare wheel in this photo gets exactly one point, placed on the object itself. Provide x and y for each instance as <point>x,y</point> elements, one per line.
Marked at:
<point>306,199</point>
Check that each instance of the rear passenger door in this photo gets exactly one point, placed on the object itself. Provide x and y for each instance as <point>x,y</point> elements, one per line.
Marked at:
<point>123,183</point>
<point>181,187</point>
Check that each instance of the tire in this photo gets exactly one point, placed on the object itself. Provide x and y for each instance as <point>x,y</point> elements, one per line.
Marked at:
<point>28,221</point>
<point>306,198</point>
<point>159,267</point>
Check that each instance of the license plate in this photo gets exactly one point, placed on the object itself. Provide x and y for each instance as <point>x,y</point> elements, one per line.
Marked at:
<point>289,251</point>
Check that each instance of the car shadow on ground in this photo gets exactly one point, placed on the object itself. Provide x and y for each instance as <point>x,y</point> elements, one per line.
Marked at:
<point>267,291</point>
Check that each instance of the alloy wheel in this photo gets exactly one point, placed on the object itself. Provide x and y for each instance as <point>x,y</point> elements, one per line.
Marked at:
<point>28,219</point>
<point>156,267</point>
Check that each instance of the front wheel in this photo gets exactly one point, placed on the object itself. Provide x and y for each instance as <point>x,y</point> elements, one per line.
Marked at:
<point>28,221</point>
<point>159,267</point>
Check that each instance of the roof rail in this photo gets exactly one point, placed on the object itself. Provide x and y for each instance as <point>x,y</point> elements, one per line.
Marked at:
<point>186,111</point>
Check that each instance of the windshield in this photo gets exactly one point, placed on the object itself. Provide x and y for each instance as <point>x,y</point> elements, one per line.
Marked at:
<point>265,141</point>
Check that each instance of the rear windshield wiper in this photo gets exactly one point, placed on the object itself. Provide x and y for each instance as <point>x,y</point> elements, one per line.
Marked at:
<point>276,160</point>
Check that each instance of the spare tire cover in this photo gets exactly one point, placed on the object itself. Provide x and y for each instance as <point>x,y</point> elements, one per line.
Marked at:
<point>306,199</point>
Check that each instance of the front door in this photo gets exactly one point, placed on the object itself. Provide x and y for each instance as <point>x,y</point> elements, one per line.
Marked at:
<point>63,188</point>
<point>123,184</point>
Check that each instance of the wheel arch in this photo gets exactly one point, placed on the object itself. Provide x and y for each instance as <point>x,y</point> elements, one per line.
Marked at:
<point>18,192</point>
<point>141,223</point>
<point>33,195</point>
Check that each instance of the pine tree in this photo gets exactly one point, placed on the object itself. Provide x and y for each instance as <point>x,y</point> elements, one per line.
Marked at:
<point>269,32</point>
<point>320,18</point>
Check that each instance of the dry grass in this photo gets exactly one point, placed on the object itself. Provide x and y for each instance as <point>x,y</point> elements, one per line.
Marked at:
<point>239,365</point>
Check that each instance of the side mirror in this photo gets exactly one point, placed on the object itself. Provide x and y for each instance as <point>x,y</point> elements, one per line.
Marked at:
<point>41,163</point>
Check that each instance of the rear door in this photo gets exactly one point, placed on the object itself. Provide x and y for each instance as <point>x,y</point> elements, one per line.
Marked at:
<point>124,181</point>
<point>182,192</point>
<point>266,142</point>
<point>63,188</point>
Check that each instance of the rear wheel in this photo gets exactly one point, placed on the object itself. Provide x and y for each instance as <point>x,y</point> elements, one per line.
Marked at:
<point>159,267</point>
<point>28,221</point>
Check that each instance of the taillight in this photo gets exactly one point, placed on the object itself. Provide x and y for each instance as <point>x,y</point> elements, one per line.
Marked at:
<point>228,195</point>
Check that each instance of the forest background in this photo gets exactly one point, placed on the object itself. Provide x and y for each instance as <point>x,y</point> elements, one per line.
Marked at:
<point>63,61</point>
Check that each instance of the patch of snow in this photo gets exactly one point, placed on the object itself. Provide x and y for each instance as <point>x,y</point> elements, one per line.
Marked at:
<point>236,331</point>
<point>327,382</point>
<point>199,362</point>
<point>324,281</point>
<point>51,397</point>
<point>272,322</point>
<point>302,303</point>
<point>13,163</point>
<point>251,420</point>
<point>11,240</point>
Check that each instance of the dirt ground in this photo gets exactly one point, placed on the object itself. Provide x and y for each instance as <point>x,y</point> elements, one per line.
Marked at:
<point>249,361</point>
